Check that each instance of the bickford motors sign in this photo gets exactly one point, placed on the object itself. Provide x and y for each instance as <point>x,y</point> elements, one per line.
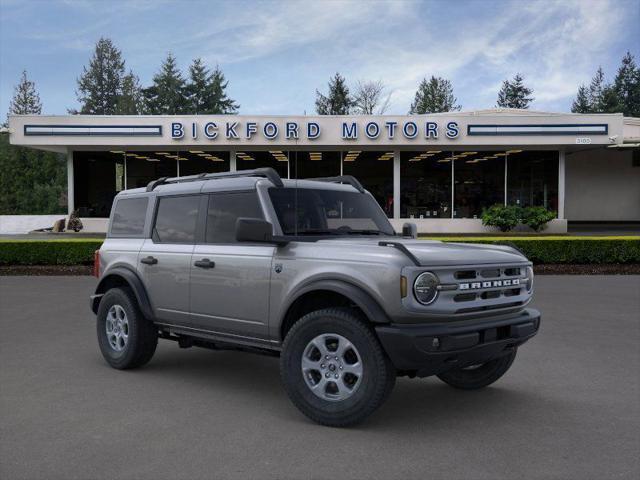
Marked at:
<point>294,130</point>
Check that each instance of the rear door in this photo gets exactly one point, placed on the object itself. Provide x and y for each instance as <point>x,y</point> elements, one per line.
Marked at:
<point>165,258</point>
<point>230,280</point>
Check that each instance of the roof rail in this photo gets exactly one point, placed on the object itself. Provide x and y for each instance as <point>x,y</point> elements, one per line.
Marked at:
<point>266,172</point>
<point>351,180</point>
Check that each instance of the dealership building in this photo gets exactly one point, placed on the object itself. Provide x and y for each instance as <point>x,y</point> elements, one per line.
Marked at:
<point>439,170</point>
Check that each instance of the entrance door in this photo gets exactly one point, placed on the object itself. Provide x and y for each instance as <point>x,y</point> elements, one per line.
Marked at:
<point>230,280</point>
<point>165,259</point>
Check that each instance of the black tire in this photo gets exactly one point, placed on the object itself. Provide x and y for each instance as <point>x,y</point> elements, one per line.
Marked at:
<point>376,383</point>
<point>474,378</point>
<point>142,334</point>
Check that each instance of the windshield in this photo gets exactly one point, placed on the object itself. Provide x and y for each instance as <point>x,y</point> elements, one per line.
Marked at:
<point>308,211</point>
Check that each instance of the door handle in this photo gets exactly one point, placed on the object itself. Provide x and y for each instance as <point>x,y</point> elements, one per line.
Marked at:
<point>204,263</point>
<point>149,260</point>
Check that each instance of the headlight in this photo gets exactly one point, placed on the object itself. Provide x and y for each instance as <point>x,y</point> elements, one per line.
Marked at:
<point>529,279</point>
<point>425,288</point>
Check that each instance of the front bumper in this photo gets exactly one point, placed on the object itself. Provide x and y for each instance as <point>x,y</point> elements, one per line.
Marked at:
<point>429,349</point>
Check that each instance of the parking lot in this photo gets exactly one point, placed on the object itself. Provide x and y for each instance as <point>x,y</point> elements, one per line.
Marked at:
<point>569,407</point>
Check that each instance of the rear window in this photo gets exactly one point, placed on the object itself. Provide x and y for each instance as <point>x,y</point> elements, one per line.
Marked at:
<point>176,219</point>
<point>128,216</point>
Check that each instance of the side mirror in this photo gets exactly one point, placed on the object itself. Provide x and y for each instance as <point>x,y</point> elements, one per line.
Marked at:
<point>410,230</point>
<point>253,230</point>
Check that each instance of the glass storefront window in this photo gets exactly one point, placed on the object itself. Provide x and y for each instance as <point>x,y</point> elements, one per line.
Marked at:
<point>532,178</point>
<point>478,182</point>
<point>314,164</point>
<point>375,171</point>
<point>425,184</point>
<point>193,162</point>
<point>98,177</point>
<point>277,159</point>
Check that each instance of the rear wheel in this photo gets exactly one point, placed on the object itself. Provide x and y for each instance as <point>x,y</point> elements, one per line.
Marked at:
<point>334,369</point>
<point>481,375</point>
<point>126,338</point>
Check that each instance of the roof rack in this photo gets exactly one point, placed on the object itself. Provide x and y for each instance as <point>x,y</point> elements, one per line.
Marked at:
<point>351,180</point>
<point>266,172</point>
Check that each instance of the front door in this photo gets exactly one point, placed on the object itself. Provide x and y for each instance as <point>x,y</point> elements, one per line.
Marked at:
<point>230,280</point>
<point>165,259</point>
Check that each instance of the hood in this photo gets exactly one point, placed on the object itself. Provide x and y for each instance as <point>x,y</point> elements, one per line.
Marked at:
<point>437,253</point>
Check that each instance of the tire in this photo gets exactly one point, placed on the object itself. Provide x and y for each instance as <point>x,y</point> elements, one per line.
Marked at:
<point>141,335</point>
<point>476,377</point>
<point>354,396</point>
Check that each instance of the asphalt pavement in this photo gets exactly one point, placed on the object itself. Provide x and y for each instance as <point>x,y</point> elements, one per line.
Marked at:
<point>568,408</point>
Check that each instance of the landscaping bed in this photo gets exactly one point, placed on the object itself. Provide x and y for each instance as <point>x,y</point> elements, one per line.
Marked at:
<point>550,254</point>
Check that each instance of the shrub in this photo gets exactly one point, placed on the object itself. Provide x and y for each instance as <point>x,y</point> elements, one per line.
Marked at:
<point>568,250</point>
<point>503,217</point>
<point>48,252</point>
<point>537,217</point>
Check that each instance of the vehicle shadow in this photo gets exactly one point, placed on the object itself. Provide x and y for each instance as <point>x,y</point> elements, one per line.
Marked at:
<point>414,402</point>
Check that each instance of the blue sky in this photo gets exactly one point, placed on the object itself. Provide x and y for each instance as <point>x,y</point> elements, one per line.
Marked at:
<point>275,54</point>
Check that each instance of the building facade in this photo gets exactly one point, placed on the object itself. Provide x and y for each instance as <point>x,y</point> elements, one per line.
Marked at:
<point>439,171</point>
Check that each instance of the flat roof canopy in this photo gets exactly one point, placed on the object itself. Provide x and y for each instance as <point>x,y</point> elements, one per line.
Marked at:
<point>503,127</point>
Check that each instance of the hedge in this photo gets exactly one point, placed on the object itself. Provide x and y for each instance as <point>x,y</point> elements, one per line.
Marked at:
<point>48,252</point>
<point>549,249</point>
<point>566,249</point>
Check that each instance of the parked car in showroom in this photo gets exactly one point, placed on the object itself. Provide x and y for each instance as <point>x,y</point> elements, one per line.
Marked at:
<point>312,271</point>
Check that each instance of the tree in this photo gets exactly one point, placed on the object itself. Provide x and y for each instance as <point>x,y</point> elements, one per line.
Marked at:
<point>627,86</point>
<point>31,181</point>
<point>167,94</point>
<point>100,85</point>
<point>370,98</point>
<point>25,99</point>
<point>596,91</point>
<point>130,101</point>
<point>514,94</point>
<point>337,101</point>
<point>581,104</point>
<point>206,92</point>
<point>434,95</point>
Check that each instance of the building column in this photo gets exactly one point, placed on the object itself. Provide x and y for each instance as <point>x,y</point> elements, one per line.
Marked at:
<point>232,161</point>
<point>561,177</point>
<point>71,204</point>
<point>396,184</point>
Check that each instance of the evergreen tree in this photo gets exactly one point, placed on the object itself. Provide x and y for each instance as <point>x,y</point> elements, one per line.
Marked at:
<point>25,99</point>
<point>206,92</point>
<point>99,86</point>
<point>218,100</point>
<point>596,91</point>
<point>31,181</point>
<point>627,86</point>
<point>581,104</point>
<point>338,101</point>
<point>514,94</point>
<point>167,95</point>
<point>130,101</point>
<point>433,96</point>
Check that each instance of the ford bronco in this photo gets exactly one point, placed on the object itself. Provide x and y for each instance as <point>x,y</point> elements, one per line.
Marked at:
<point>312,271</point>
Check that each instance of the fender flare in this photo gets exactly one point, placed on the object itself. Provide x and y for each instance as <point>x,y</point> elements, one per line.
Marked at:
<point>133,281</point>
<point>369,306</point>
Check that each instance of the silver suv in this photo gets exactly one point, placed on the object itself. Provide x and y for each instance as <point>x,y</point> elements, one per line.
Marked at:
<point>312,271</point>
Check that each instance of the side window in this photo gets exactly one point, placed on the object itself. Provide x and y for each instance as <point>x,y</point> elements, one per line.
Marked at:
<point>128,216</point>
<point>225,209</point>
<point>176,219</point>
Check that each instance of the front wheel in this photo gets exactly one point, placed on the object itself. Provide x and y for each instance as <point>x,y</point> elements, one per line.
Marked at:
<point>479,376</point>
<point>334,369</point>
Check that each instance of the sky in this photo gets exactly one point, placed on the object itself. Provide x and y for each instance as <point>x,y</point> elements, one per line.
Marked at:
<point>276,54</point>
